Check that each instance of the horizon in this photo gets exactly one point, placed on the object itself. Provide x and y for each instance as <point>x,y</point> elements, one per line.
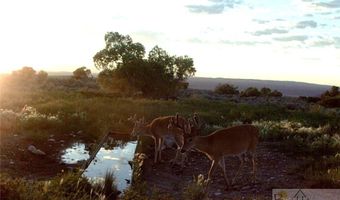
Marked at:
<point>69,73</point>
<point>294,40</point>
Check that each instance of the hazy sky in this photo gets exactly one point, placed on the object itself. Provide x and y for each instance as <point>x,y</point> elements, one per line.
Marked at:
<point>295,40</point>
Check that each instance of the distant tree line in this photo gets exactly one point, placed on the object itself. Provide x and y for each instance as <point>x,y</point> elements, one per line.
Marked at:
<point>229,89</point>
<point>126,69</point>
<point>26,77</point>
<point>331,98</point>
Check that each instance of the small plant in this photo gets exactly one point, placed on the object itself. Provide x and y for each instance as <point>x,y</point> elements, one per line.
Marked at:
<point>108,189</point>
<point>325,172</point>
<point>197,190</point>
<point>8,120</point>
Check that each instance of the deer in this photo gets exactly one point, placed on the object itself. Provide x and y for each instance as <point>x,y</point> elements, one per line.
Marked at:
<point>233,141</point>
<point>196,126</point>
<point>158,129</point>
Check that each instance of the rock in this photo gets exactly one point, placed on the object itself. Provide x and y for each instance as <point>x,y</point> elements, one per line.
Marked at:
<point>217,193</point>
<point>35,151</point>
<point>246,187</point>
<point>51,140</point>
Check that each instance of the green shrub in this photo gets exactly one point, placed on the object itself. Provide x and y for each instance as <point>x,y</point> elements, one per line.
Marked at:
<point>226,89</point>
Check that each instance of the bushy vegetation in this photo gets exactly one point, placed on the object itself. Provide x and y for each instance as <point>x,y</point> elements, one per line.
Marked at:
<point>254,92</point>
<point>321,145</point>
<point>226,89</point>
<point>82,73</point>
<point>331,98</point>
<point>67,186</point>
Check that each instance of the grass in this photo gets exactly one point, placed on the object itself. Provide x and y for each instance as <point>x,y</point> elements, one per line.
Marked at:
<point>314,133</point>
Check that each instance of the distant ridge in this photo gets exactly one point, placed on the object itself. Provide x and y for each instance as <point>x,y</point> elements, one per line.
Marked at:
<point>288,88</point>
<point>61,73</point>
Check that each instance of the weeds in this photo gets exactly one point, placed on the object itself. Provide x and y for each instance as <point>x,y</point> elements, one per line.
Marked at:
<point>197,190</point>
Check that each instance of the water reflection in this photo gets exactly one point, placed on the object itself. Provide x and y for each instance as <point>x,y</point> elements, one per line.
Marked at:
<point>114,156</point>
<point>77,152</point>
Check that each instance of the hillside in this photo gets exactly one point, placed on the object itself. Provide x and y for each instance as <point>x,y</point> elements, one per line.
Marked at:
<point>288,88</point>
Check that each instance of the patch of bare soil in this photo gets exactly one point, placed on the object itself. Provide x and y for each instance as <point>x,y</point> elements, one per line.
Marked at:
<point>274,170</point>
<point>17,161</point>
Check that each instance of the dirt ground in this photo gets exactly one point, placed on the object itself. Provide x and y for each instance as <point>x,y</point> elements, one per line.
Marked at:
<point>17,161</point>
<point>274,170</point>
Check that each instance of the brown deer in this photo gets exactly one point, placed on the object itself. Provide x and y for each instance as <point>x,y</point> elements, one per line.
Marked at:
<point>233,141</point>
<point>158,129</point>
<point>196,126</point>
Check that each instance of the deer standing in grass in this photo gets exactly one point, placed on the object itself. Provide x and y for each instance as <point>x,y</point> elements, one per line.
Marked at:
<point>237,141</point>
<point>158,129</point>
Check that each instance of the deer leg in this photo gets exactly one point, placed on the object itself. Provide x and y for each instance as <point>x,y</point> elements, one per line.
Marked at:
<point>212,168</point>
<point>222,165</point>
<point>184,157</point>
<point>156,150</point>
<point>254,166</point>
<point>174,160</point>
<point>239,169</point>
<point>161,141</point>
<point>179,142</point>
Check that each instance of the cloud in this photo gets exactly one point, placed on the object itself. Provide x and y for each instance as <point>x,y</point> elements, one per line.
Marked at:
<point>300,38</point>
<point>323,42</point>
<point>270,31</point>
<point>305,24</point>
<point>337,42</point>
<point>280,20</point>
<point>215,6</point>
<point>245,43</point>
<point>212,9</point>
<point>331,4</point>
<point>260,21</point>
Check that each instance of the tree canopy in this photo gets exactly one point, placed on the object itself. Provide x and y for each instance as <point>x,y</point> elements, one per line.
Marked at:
<point>82,73</point>
<point>226,89</point>
<point>126,69</point>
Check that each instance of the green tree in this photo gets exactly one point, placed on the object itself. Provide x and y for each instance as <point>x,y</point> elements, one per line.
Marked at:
<point>125,68</point>
<point>226,89</point>
<point>265,91</point>
<point>250,92</point>
<point>82,73</point>
<point>25,74</point>
<point>42,77</point>
<point>333,92</point>
<point>275,93</point>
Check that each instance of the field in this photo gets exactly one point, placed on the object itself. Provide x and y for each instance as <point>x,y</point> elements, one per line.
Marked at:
<point>299,144</point>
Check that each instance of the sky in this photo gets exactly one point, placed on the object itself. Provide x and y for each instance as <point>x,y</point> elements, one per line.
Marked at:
<point>296,40</point>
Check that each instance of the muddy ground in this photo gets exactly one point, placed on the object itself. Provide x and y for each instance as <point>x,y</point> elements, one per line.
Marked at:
<point>274,170</point>
<point>17,161</point>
